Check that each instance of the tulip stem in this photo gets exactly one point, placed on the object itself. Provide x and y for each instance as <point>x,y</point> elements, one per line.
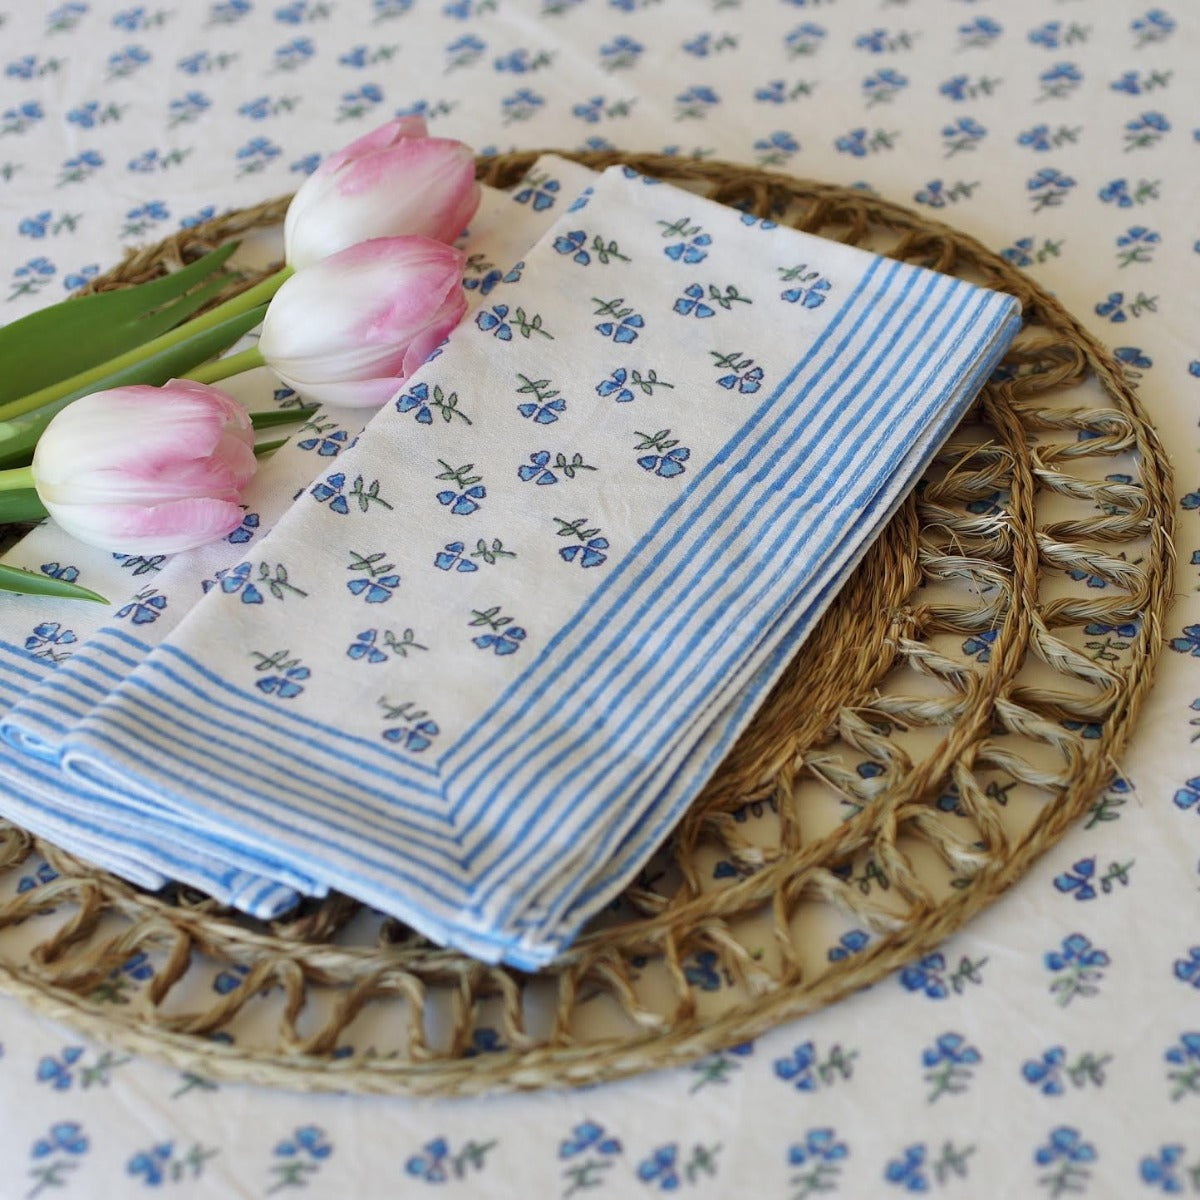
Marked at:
<point>241,303</point>
<point>223,368</point>
<point>18,479</point>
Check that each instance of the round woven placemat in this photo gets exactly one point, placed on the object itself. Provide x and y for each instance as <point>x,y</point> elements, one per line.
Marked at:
<point>960,706</point>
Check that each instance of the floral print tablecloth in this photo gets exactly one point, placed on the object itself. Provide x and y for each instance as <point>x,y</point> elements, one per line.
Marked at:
<point>1052,1049</point>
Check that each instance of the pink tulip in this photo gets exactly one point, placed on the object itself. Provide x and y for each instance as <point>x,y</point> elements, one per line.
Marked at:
<point>350,328</point>
<point>395,180</point>
<point>147,470</point>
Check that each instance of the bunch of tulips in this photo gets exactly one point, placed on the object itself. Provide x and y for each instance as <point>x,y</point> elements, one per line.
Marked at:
<point>110,422</point>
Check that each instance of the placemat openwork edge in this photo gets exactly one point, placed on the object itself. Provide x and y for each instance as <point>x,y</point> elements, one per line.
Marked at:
<point>944,726</point>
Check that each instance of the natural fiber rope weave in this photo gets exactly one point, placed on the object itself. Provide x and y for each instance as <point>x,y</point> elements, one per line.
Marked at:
<point>945,724</point>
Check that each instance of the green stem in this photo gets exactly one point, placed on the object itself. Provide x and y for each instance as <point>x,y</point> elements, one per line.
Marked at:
<point>241,303</point>
<point>19,478</point>
<point>223,368</point>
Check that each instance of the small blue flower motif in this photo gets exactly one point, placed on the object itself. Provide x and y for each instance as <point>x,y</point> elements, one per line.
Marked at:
<point>581,201</point>
<point>1132,356</point>
<point>36,267</point>
<point>812,296</point>
<point>884,84</point>
<point>691,303</point>
<point>587,554</point>
<point>1048,177</point>
<point>45,873</point>
<point>374,591</point>
<point>926,976</point>
<point>67,572</point>
<point>1076,950</point>
<point>230,979</point>
<point>66,1137</point>
<point>1155,26</point>
<point>57,1071</point>
<point>1161,1170</point>
<point>798,1069</point>
<point>591,1137</point>
<point>150,1163</point>
<point>1128,82</point>
<point>693,250</point>
<point>543,414</point>
<point>236,580</point>
<point>572,243</point>
<point>908,1172</point>
<point>950,1048</point>
<point>1187,1051</point>
<point>539,196</point>
<point>1186,797</point>
<point>430,1164</point>
<point>144,609</point>
<point>1187,970</point>
<point>35,226</point>
<point>614,386</point>
<point>819,1146</point>
<point>777,146</point>
<point>1065,1144</point>
<point>536,470</point>
<point>746,382</point>
<point>138,967</point>
<point>1080,879</point>
<point>494,321</point>
<point>364,647</point>
<point>451,557</point>
<point>1153,122</point>
<point>414,738</point>
<point>246,530</point>
<point>981,31</point>
<point>1113,308</point>
<point>848,944</point>
<point>308,1140</point>
<point>286,685</point>
<point>668,465</point>
<point>1116,192</point>
<point>502,641</point>
<point>660,1168</point>
<point>624,331</point>
<point>703,971</point>
<point>854,143</point>
<point>49,633</point>
<point>330,491</point>
<point>979,645</point>
<point>463,503</point>
<point>1046,1073</point>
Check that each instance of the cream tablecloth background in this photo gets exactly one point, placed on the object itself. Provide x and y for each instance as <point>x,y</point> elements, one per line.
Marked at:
<point>1064,134</point>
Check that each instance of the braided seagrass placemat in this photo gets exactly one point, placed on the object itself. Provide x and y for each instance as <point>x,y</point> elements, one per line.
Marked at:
<point>962,703</point>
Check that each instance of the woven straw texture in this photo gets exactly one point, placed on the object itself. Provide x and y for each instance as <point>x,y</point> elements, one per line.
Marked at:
<point>962,704</point>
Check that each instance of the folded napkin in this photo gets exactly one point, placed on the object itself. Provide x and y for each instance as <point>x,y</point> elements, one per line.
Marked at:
<point>595,528</point>
<point>130,833</point>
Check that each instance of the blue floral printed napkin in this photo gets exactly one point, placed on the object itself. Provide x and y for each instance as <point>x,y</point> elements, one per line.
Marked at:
<point>591,532</point>
<point>57,669</point>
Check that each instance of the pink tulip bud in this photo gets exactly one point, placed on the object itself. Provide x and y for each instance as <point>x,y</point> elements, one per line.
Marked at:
<point>350,328</point>
<point>395,180</point>
<point>147,470</point>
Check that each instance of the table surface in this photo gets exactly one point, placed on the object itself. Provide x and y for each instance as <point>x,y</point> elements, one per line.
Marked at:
<point>1066,135</point>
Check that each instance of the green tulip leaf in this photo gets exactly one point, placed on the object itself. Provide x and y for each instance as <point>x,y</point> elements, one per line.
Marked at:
<point>65,339</point>
<point>262,449</point>
<point>273,417</point>
<point>172,361</point>
<point>29,583</point>
<point>21,504</point>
